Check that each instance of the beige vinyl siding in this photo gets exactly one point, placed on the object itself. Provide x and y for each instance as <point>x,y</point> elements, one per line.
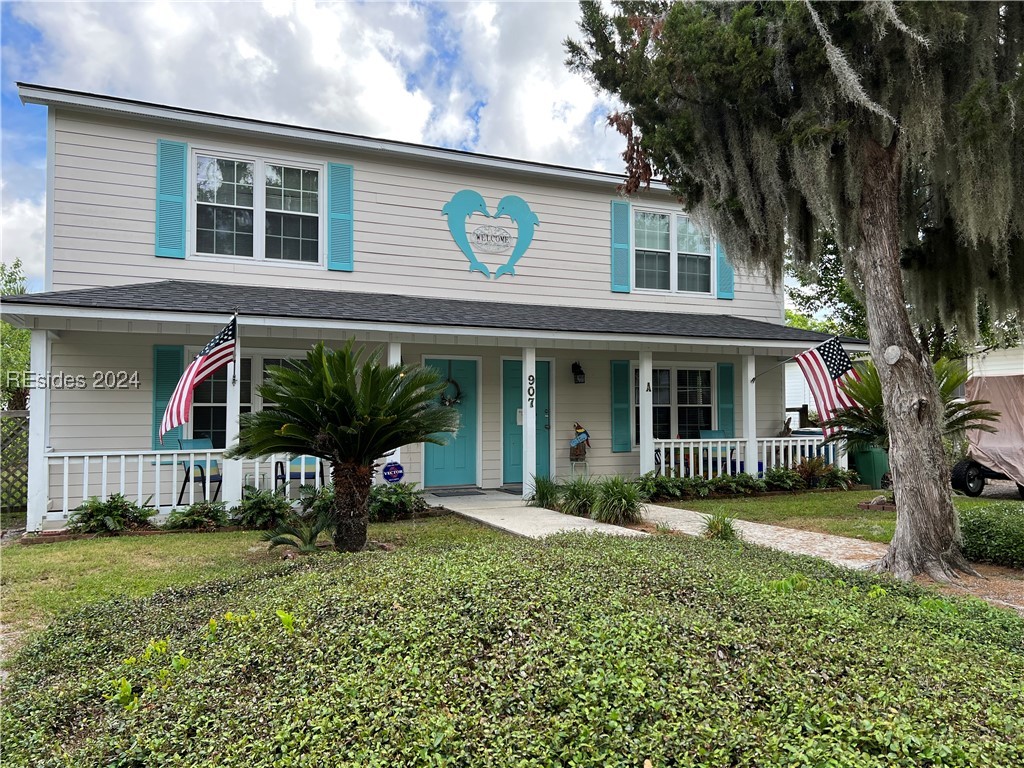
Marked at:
<point>104,198</point>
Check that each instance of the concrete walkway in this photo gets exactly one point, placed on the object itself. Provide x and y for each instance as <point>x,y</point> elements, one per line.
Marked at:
<point>508,513</point>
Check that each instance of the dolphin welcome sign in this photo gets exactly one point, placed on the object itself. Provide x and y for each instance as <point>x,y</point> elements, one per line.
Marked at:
<point>490,240</point>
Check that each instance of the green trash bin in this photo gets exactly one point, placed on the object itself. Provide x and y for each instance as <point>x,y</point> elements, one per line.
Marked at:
<point>872,464</point>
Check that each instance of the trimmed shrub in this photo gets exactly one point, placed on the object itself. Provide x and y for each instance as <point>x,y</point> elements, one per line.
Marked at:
<point>546,493</point>
<point>578,497</point>
<point>783,479</point>
<point>114,515</point>
<point>203,516</point>
<point>837,477</point>
<point>994,534</point>
<point>262,509</point>
<point>654,487</point>
<point>395,501</point>
<point>811,470</point>
<point>618,502</point>
<point>694,488</point>
<point>737,485</point>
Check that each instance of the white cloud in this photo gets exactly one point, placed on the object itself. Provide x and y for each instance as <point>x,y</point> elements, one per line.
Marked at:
<point>487,76</point>
<point>23,235</point>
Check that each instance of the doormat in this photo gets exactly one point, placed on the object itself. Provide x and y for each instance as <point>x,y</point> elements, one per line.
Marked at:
<point>458,492</point>
<point>512,491</point>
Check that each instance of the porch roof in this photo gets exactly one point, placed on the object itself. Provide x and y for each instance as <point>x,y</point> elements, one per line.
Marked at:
<point>187,299</point>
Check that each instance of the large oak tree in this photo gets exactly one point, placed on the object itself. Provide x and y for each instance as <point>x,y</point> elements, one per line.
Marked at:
<point>896,128</point>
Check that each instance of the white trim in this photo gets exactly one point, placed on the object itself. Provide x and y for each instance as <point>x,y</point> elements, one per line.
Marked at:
<point>672,367</point>
<point>621,340</point>
<point>750,411</point>
<point>478,359</point>
<point>51,176</point>
<point>260,159</point>
<point>674,214</point>
<point>528,382</point>
<point>38,426</point>
<point>394,358</point>
<point>38,94</point>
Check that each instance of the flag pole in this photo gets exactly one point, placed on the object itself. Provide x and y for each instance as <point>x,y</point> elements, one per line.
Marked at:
<point>237,358</point>
<point>794,357</point>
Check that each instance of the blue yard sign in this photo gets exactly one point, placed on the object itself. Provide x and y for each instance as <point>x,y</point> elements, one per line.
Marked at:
<point>393,472</point>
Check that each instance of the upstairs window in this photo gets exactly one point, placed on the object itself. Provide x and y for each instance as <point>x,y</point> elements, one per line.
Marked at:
<point>257,209</point>
<point>670,253</point>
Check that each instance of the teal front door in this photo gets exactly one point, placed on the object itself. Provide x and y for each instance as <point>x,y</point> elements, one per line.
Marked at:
<point>454,463</point>
<point>512,421</point>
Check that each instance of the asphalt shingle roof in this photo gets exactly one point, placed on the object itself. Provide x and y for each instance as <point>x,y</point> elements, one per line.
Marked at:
<point>269,301</point>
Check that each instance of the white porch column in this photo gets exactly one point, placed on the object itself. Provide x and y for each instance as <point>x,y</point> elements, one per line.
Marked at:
<point>38,418</point>
<point>646,412</point>
<point>231,472</point>
<point>529,420</point>
<point>395,358</point>
<point>750,414</point>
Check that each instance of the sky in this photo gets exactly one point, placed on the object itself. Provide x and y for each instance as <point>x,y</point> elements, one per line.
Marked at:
<point>486,77</point>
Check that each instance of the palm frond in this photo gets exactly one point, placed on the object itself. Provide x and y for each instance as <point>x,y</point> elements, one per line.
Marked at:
<point>864,426</point>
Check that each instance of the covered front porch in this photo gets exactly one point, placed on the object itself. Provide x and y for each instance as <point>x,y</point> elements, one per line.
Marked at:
<point>656,392</point>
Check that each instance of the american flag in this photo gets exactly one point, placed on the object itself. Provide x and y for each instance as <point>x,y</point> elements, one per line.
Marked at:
<point>215,355</point>
<point>823,367</point>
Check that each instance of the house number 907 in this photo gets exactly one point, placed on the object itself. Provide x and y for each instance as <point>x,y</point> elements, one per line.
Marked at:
<point>531,389</point>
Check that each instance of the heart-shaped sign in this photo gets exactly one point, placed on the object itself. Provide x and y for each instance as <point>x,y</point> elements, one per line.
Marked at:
<point>490,239</point>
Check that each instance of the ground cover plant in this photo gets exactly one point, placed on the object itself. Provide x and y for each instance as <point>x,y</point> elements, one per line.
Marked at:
<point>464,647</point>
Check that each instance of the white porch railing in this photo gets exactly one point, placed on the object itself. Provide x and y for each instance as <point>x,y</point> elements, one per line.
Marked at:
<point>727,456</point>
<point>165,479</point>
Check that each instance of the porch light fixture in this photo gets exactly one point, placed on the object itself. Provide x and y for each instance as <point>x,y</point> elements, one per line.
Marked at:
<point>578,374</point>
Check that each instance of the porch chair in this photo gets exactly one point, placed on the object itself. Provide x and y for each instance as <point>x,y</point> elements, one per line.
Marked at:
<point>197,470</point>
<point>298,470</point>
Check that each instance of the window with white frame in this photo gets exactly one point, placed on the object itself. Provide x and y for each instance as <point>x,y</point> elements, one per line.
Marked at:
<point>210,398</point>
<point>670,253</point>
<point>210,403</point>
<point>682,403</point>
<point>258,209</point>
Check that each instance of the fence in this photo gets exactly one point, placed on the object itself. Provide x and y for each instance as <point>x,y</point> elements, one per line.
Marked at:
<point>13,461</point>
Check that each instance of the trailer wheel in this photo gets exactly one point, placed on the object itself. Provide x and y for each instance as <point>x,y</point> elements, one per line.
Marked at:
<point>1020,490</point>
<point>968,478</point>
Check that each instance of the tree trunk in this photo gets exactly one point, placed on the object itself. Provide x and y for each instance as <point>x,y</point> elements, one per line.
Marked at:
<point>351,500</point>
<point>927,538</point>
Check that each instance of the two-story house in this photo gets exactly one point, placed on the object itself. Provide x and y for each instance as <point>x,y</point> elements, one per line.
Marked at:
<point>543,296</point>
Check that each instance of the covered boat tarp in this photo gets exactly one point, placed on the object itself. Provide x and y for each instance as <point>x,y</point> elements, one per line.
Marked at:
<point>1001,451</point>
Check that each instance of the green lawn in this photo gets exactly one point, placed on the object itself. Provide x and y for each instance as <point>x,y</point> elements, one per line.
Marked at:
<point>38,583</point>
<point>467,647</point>
<point>833,512</point>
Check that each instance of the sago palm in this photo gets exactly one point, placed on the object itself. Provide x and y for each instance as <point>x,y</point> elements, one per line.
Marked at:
<point>864,425</point>
<point>349,409</point>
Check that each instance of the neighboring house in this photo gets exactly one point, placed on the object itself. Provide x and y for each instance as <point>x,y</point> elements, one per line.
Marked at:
<point>997,362</point>
<point>541,293</point>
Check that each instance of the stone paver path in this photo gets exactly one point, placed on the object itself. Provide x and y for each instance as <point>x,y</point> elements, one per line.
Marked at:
<point>853,553</point>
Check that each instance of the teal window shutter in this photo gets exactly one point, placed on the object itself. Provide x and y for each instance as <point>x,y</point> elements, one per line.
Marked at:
<point>620,247</point>
<point>622,440</point>
<point>168,365</point>
<point>339,217</point>
<point>726,399</point>
<point>726,276</point>
<point>171,198</point>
